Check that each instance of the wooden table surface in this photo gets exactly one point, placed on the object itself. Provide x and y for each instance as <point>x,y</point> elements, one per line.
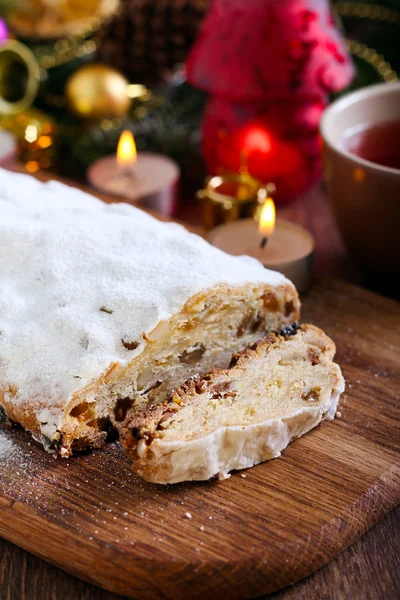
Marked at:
<point>367,570</point>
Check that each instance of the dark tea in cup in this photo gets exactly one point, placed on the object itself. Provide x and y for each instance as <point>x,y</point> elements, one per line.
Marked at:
<point>379,143</point>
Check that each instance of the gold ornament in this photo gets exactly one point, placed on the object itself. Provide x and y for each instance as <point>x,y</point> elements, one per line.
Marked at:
<point>34,131</point>
<point>55,19</point>
<point>97,91</point>
<point>19,77</point>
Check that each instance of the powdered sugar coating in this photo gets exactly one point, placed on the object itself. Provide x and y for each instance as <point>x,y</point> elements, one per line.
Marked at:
<point>78,275</point>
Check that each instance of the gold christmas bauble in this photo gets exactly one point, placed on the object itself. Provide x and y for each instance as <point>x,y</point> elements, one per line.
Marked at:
<point>97,91</point>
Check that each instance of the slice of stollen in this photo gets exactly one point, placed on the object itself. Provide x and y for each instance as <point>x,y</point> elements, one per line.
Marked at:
<point>274,391</point>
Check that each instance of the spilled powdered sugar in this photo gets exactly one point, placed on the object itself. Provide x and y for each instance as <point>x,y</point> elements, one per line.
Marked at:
<point>97,497</point>
<point>7,447</point>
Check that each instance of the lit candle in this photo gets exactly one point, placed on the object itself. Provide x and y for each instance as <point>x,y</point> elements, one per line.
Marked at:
<point>127,153</point>
<point>144,177</point>
<point>289,249</point>
<point>266,224</point>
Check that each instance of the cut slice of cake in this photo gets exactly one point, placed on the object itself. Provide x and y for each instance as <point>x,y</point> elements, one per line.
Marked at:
<point>274,391</point>
<point>104,308</point>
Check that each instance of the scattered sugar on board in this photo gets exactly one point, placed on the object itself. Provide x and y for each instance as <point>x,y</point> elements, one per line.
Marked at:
<point>7,447</point>
<point>27,474</point>
<point>16,468</point>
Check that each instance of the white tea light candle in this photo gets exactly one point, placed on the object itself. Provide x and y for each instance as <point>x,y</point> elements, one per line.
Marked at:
<point>144,177</point>
<point>289,248</point>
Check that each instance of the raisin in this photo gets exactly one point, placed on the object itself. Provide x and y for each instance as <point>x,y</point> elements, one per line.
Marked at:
<point>256,323</point>
<point>244,324</point>
<point>3,415</point>
<point>313,356</point>
<point>311,396</point>
<point>234,360</point>
<point>199,386</point>
<point>129,344</point>
<point>106,426</point>
<point>290,330</point>
<point>121,408</point>
<point>136,433</point>
<point>189,357</point>
<point>271,301</point>
<point>149,437</point>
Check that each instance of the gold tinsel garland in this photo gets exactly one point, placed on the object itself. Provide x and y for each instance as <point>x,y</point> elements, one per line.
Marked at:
<point>65,50</point>
<point>364,10</point>
<point>371,56</point>
<point>72,47</point>
<point>374,12</point>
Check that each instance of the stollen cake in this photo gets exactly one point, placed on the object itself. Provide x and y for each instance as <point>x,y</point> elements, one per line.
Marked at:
<point>274,391</point>
<point>104,308</point>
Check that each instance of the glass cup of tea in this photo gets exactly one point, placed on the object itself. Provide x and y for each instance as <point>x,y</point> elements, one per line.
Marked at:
<point>361,135</point>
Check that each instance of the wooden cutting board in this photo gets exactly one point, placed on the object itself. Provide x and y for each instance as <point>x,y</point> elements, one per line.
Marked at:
<point>251,534</point>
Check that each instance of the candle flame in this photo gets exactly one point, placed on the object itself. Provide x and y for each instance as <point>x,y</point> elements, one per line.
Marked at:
<point>257,138</point>
<point>31,134</point>
<point>126,150</point>
<point>266,223</point>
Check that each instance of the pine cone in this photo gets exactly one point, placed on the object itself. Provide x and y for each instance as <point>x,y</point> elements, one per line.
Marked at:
<point>148,38</point>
